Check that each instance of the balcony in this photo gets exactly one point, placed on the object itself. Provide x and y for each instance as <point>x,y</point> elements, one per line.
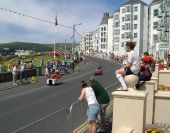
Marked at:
<point>159,15</point>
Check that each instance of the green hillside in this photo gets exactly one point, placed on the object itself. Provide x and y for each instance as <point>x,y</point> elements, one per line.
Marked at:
<point>33,46</point>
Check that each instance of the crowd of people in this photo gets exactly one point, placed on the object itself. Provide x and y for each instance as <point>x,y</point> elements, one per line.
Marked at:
<point>97,97</point>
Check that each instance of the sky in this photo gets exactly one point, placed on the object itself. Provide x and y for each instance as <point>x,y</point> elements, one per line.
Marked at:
<point>69,12</point>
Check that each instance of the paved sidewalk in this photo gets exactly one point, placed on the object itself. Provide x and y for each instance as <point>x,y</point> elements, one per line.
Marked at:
<point>84,66</point>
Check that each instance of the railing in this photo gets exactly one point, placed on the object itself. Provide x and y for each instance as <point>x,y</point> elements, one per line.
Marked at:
<point>65,120</point>
<point>57,122</point>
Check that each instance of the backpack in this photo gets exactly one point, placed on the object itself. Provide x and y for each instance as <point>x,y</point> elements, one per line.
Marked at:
<point>145,73</point>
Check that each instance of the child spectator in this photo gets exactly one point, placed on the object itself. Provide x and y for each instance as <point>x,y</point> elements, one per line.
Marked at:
<point>132,66</point>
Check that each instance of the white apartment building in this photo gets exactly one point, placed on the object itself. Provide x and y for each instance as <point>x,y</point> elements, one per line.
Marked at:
<point>116,32</point>
<point>103,33</point>
<point>110,35</point>
<point>130,23</point>
<point>153,27</point>
<point>95,40</point>
<point>86,43</point>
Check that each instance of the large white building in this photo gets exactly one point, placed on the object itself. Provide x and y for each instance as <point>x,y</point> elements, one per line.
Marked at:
<point>130,23</point>
<point>153,27</point>
<point>86,43</point>
<point>95,41</point>
<point>103,33</point>
<point>160,28</point>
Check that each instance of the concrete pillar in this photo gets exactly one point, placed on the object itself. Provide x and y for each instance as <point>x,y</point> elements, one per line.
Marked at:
<point>156,72</point>
<point>156,82</point>
<point>164,77</point>
<point>149,87</point>
<point>162,108</point>
<point>129,110</point>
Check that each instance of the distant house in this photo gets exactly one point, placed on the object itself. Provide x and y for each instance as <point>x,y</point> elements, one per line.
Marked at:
<point>6,51</point>
<point>23,52</point>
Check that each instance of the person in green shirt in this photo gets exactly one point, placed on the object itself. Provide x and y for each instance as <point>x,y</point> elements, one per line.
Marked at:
<point>102,98</point>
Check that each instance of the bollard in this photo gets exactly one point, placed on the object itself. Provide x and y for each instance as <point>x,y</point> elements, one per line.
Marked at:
<point>33,80</point>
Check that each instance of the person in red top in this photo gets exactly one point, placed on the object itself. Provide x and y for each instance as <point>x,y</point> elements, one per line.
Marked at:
<point>168,62</point>
<point>147,58</point>
<point>160,65</point>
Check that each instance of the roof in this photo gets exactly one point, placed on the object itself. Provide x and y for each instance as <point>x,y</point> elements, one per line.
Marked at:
<point>156,1</point>
<point>116,10</point>
<point>105,18</point>
<point>134,2</point>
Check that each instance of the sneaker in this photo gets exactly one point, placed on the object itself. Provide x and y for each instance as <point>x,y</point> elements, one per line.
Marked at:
<point>122,89</point>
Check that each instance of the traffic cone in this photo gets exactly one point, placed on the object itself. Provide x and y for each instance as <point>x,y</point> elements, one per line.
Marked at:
<point>33,80</point>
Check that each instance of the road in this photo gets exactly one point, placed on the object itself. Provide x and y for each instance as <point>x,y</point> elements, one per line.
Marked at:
<point>25,104</point>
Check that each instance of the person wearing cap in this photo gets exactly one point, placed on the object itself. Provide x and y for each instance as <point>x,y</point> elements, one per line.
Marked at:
<point>102,98</point>
<point>93,107</point>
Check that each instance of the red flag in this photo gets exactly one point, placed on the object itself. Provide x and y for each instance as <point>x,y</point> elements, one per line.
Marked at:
<point>56,22</point>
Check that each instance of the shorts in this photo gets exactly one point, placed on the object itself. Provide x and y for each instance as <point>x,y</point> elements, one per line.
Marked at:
<point>128,71</point>
<point>92,112</point>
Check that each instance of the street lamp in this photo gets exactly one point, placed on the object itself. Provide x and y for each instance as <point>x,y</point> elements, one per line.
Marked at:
<point>74,29</point>
<point>55,25</point>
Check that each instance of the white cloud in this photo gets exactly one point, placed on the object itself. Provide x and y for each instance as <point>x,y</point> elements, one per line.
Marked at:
<point>68,13</point>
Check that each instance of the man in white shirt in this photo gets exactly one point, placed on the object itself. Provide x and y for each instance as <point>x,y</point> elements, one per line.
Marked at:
<point>131,67</point>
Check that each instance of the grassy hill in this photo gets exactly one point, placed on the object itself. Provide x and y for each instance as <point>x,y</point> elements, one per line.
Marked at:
<point>34,46</point>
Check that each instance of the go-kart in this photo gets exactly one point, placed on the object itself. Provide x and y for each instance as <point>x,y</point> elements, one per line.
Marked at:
<point>98,71</point>
<point>55,79</point>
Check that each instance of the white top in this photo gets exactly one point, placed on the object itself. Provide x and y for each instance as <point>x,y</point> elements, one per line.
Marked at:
<point>90,96</point>
<point>14,70</point>
<point>134,59</point>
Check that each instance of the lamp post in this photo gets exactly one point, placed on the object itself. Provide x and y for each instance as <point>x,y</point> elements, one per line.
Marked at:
<point>55,25</point>
<point>74,29</point>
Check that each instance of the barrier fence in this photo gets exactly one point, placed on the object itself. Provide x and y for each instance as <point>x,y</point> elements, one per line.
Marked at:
<point>65,120</point>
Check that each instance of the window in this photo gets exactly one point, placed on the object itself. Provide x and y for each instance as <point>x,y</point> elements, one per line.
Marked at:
<point>135,8</point>
<point>116,39</point>
<point>123,27</point>
<point>123,10</point>
<point>127,8</point>
<point>116,24</point>
<point>135,35</point>
<point>116,16</point>
<point>116,47</point>
<point>155,38</point>
<point>135,26</point>
<point>127,35</point>
<point>102,34</point>
<point>101,28</point>
<point>122,44</point>
<point>104,28</point>
<point>155,12</point>
<point>127,26</point>
<point>135,17</point>
<point>155,25</point>
<point>123,35</point>
<point>116,32</point>
<point>127,17</point>
<point>123,19</point>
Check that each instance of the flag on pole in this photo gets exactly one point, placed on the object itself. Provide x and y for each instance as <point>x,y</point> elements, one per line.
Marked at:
<point>56,22</point>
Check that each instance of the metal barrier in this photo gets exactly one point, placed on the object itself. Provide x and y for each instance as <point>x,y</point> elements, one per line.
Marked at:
<point>57,122</point>
<point>78,113</point>
<point>65,120</point>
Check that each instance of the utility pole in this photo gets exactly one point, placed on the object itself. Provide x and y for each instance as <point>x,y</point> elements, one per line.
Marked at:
<point>55,25</point>
<point>74,29</point>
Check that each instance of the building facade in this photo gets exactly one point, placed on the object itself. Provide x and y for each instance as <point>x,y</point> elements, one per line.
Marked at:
<point>159,27</point>
<point>103,33</point>
<point>130,24</point>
